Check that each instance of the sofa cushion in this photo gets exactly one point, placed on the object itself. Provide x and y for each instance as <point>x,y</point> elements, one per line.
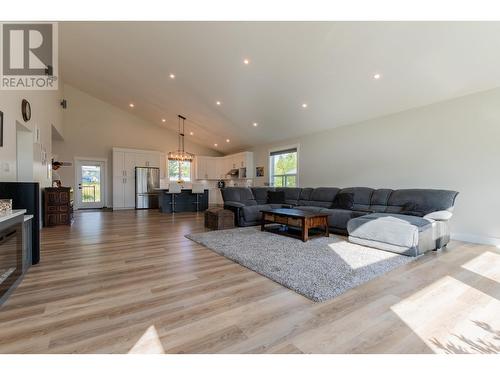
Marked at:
<point>314,209</point>
<point>379,199</point>
<point>320,197</point>
<point>276,197</point>
<point>305,194</point>
<point>291,195</point>
<point>362,197</point>
<point>260,194</point>
<point>343,200</point>
<point>393,229</point>
<point>338,218</point>
<point>431,199</point>
<point>239,194</point>
<point>252,213</point>
<point>414,209</point>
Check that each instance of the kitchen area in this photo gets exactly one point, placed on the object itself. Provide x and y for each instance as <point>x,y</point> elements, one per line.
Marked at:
<point>141,181</point>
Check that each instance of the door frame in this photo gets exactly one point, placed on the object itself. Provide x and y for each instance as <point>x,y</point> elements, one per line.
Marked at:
<point>104,185</point>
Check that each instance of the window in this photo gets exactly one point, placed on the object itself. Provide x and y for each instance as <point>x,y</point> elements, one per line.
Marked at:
<point>179,170</point>
<point>283,168</point>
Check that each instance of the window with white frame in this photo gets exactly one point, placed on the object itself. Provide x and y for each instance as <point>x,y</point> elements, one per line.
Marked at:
<point>179,170</point>
<point>283,167</point>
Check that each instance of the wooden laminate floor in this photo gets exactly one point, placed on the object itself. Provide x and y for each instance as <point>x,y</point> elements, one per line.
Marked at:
<point>129,282</point>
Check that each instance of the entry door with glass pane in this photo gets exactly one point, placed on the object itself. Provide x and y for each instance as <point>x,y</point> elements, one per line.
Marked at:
<point>90,190</point>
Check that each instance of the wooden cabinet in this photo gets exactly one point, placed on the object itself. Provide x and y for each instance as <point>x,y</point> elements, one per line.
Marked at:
<point>58,206</point>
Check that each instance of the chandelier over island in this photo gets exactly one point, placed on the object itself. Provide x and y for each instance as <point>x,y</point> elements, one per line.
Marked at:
<point>181,155</point>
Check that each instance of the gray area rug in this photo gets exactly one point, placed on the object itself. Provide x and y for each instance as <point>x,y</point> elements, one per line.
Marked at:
<point>319,269</point>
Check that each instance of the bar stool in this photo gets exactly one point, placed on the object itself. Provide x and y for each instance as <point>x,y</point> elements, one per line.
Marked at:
<point>174,189</point>
<point>197,189</point>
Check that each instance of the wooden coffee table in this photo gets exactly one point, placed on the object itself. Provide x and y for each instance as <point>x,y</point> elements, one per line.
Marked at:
<point>295,218</point>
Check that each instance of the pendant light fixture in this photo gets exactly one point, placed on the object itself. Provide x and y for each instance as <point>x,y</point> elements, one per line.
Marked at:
<point>180,154</point>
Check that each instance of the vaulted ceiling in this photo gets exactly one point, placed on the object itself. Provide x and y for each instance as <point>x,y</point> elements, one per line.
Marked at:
<point>330,66</point>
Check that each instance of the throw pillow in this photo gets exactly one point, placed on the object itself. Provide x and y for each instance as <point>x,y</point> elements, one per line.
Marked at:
<point>343,201</point>
<point>276,197</point>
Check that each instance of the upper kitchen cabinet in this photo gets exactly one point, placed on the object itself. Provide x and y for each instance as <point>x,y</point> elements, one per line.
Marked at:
<point>214,168</point>
<point>205,168</point>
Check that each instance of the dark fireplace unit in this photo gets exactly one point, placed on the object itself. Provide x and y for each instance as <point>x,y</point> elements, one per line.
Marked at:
<point>11,254</point>
<point>26,195</point>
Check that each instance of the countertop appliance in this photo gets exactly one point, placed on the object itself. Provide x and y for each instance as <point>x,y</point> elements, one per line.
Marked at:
<point>221,184</point>
<point>146,181</point>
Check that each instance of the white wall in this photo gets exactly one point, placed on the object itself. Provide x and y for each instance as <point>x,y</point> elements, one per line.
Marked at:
<point>46,111</point>
<point>92,127</point>
<point>449,145</point>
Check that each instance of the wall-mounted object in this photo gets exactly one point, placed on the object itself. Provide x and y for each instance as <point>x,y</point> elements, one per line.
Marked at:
<point>1,129</point>
<point>43,156</point>
<point>259,171</point>
<point>64,103</point>
<point>36,134</point>
<point>26,110</point>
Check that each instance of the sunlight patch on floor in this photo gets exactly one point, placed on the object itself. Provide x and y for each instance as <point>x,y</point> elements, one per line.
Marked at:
<point>486,265</point>
<point>453,317</point>
<point>149,343</point>
<point>354,259</point>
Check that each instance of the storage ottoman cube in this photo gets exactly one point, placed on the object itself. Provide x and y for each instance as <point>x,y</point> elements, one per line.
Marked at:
<point>219,218</point>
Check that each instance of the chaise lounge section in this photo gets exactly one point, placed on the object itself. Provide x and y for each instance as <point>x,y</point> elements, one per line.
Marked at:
<point>405,221</point>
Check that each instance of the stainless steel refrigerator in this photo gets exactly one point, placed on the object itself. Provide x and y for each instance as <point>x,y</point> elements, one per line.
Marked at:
<point>146,181</point>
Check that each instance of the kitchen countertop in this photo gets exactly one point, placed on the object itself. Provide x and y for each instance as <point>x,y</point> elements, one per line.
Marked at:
<point>7,216</point>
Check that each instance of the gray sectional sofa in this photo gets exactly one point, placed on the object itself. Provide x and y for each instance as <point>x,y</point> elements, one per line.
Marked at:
<point>406,221</point>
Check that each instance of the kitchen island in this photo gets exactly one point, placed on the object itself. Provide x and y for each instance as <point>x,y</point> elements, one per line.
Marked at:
<point>185,201</point>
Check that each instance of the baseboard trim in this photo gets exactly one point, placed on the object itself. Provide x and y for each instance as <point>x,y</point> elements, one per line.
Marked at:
<point>474,238</point>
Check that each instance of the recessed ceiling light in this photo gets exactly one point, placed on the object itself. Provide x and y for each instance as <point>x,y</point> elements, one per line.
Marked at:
<point>246,61</point>
<point>255,124</point>
<point>228,140</point>
<point>215,144</point>
<point>218,102</point>
<point>131,105</point>
<point>191,133</point>
<point>163,120</point>
<point>172,76</point>
<point>377,76</point>
<point>304,105</point>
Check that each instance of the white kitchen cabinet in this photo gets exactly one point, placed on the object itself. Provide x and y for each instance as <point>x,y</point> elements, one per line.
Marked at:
<point>211,168</point>
<point>201,168</point>
<point>118,166</point>
<point>124,163</point>
<point>129,191</point>
<point>148,160</point>
<point>215,168</point>
<point>118,192</point>
<point>129,162</point>
<point>206,168</point>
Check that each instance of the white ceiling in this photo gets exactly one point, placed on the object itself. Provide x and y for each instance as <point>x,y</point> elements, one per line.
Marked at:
<point>328,65</point>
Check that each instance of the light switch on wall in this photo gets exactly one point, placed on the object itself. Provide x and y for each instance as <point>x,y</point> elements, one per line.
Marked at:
<point>5,167</point>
